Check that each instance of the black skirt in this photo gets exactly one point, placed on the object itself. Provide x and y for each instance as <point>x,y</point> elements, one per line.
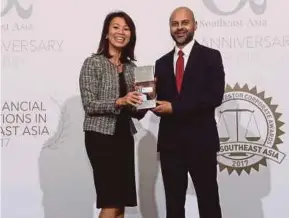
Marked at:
<point>113,164</point>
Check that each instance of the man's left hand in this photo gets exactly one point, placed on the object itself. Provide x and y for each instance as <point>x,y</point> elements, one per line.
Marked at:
<point>163,107</point>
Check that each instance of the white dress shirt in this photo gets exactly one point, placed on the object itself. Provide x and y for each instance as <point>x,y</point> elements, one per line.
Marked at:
<point>186,50</point>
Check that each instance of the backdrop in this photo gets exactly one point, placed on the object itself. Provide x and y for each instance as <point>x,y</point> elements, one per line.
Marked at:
<point>45,171</point>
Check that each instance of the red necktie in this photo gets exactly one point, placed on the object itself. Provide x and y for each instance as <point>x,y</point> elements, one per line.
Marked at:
<point>180,70</point>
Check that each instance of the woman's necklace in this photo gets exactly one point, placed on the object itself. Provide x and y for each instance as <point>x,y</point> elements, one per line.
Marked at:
<point>119,66</point>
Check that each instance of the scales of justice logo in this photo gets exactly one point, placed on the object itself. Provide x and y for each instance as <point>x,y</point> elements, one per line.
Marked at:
<point>249,130</point>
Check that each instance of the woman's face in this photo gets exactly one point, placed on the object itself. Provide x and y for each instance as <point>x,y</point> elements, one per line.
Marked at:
<point>118,33</point>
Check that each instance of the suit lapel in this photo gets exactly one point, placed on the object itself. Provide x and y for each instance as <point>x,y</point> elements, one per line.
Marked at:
<point>193,57</point>
<point>192,64</point>
<point>170,68</point>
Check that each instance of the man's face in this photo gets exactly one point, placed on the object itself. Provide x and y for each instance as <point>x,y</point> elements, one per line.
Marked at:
<point>182,27</point>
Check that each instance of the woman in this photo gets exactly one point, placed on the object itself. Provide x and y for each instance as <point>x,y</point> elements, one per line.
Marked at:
<point>109,99</point>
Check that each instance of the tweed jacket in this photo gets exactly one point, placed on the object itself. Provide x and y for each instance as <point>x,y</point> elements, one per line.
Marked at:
<point>99,89</point>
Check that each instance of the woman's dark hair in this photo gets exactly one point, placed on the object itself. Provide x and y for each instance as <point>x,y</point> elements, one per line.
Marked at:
<point>127,53</point>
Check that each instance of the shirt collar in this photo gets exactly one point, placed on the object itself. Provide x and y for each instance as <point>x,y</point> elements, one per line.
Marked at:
<point>187,49</point>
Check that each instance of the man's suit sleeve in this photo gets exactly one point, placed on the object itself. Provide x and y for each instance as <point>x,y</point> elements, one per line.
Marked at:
<point>211,94</point>
<point>157,77</point>
<point>157,84</point>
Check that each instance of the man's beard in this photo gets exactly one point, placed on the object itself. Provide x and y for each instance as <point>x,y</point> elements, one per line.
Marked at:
<point>188,39</point>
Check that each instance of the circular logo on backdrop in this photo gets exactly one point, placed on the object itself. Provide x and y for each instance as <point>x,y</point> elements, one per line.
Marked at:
<point>257,6</point>
<point>21,11</point>
<point>249,130</point>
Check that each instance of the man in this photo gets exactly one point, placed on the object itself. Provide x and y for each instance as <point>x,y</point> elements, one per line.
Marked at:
<point>189,86</point>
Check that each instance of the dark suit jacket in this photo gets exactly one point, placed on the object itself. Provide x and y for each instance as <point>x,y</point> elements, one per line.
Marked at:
<point>193,119</point>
